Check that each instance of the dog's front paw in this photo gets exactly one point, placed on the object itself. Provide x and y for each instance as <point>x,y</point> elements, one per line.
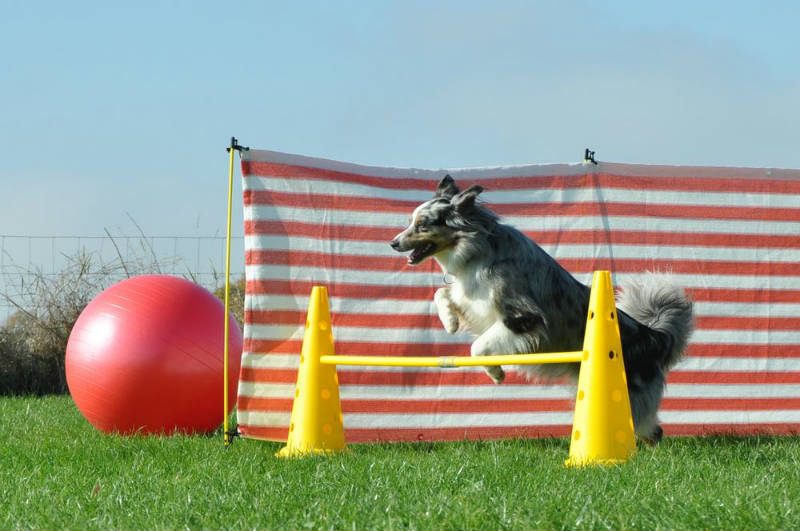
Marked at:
<point>496,373</point>
<point>450,322</point>
<point>447,314</point>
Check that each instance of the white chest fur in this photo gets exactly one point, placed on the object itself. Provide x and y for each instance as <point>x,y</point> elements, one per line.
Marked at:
<point>472,298</point>
<point>474,303</point>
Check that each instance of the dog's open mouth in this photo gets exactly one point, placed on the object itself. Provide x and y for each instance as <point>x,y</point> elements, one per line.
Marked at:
<point>420,253</point>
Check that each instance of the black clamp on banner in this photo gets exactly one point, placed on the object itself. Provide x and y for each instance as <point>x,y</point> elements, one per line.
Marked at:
<point>235,145</point>
<point>588,156</point>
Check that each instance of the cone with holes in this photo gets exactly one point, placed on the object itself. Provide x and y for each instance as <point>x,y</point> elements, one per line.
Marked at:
<point>602,430</point>
<point>316,423</point>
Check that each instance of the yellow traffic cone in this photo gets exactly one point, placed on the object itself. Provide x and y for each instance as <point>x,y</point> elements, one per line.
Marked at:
<point>316,423</point>
<point>602,430</point>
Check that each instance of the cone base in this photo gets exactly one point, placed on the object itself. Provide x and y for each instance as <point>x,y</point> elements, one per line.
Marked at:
<point>289,453</point>
<point>574,462</point>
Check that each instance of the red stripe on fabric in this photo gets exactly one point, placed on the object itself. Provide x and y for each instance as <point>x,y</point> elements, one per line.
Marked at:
<point>455,406</point>
<point>421,406</point>
<point>290,171</point>
<point>432,322</point>
<point>699,184</point>
<point>366,348</point>
<point>247,403</point>
<point>577,265</point>
<point>362,435</point>
<point>362,348</point>
<point>252,403</point>
<point>266,433</point>
<point>423,321</point>
<point>747,323</point>
<point>743,351</point>
<point>681,239</point>
<point>249,374</point>
<point>322,231</point>
<point>650,210</point>
<point>409,377</point>
<point>587,237</point>
<point>333,202</point>
<point>692,430</point>
<point>279,433</point>
<point>416,293</point>
<point>732,377</point>
<point>340,289</point>
<point>744,295</point>
<point>730,404</point>
<point>584,209</point>
<point>369,377</point>
<point>604,179</point>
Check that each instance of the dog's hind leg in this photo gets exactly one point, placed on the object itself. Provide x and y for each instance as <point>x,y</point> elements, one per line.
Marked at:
<point>655,437</point>
<point>447,311</point>
<point>498,339</point>
<point>645,396</point>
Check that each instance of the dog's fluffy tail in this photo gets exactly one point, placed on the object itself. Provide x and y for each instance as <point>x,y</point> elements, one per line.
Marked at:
<point>657,302</point>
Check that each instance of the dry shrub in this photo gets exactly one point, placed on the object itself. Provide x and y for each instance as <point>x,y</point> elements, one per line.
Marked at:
<point>33,340</point>
<point>235,298</point>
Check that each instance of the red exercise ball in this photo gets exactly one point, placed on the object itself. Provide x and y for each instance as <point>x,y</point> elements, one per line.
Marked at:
<point>146,356</point>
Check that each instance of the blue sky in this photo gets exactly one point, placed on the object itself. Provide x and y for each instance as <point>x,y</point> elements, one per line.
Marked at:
<point>113,109</point>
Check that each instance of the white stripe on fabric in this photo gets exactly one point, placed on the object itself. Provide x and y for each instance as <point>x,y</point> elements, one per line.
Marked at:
<point>454,420</point>
<point>423,392</point>
<point>518,392</point>
<point>732,391</point>
<point>528,195</point>
<point>343,305</point>
<point>426,335</point>
<point>420,277</point>
<point>556,418</point>
<point>742,309</point>
<point>773,416</point>
<point>427,307</point>
<point>416,173</point>
<point>514,170</point>
<point>560,251</point>
<point>399,221</point>
<point>690,363</point>
<point>714,364</point>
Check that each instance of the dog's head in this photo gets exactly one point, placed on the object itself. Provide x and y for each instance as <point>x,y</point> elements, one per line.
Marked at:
<point>440,223</point>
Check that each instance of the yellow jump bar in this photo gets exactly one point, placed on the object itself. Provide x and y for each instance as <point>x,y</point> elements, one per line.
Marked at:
<point>454,361</point>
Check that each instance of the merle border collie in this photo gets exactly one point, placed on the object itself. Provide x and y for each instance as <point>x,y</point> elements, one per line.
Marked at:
<point>515,298</point>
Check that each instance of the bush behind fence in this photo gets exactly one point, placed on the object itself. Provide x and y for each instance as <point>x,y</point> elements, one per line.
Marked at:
<point>47,281</point>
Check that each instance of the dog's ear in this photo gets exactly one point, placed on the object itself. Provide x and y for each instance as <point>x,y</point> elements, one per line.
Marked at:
<point>466,199</point>
<point>447,187</point>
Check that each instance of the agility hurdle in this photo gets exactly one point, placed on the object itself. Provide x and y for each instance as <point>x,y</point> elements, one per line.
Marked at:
<point>602,428</point>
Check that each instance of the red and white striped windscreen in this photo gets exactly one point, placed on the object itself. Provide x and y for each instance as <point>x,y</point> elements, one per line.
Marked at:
<point>731,236</point>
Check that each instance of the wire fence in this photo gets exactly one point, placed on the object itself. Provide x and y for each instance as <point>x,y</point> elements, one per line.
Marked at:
<point>200,258</point>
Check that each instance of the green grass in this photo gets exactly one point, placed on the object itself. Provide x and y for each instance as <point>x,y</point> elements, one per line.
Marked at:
<point>59,473</point>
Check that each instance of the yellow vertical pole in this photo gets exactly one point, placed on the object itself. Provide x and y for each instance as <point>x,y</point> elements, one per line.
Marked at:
<point>226,334</point>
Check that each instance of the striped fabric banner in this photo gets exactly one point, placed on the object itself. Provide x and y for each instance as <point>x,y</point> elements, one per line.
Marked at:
<point>731,236</point>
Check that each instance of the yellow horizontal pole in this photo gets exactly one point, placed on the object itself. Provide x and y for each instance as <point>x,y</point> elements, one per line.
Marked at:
<point>454,361</point>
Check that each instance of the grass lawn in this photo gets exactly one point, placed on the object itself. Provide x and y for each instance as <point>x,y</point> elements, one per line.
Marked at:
<point>59,473</point>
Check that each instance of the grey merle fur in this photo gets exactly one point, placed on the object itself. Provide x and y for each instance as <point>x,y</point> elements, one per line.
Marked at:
<point>542,305</point>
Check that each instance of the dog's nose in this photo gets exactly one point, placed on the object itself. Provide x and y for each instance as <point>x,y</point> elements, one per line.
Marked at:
<point>395,244</point>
